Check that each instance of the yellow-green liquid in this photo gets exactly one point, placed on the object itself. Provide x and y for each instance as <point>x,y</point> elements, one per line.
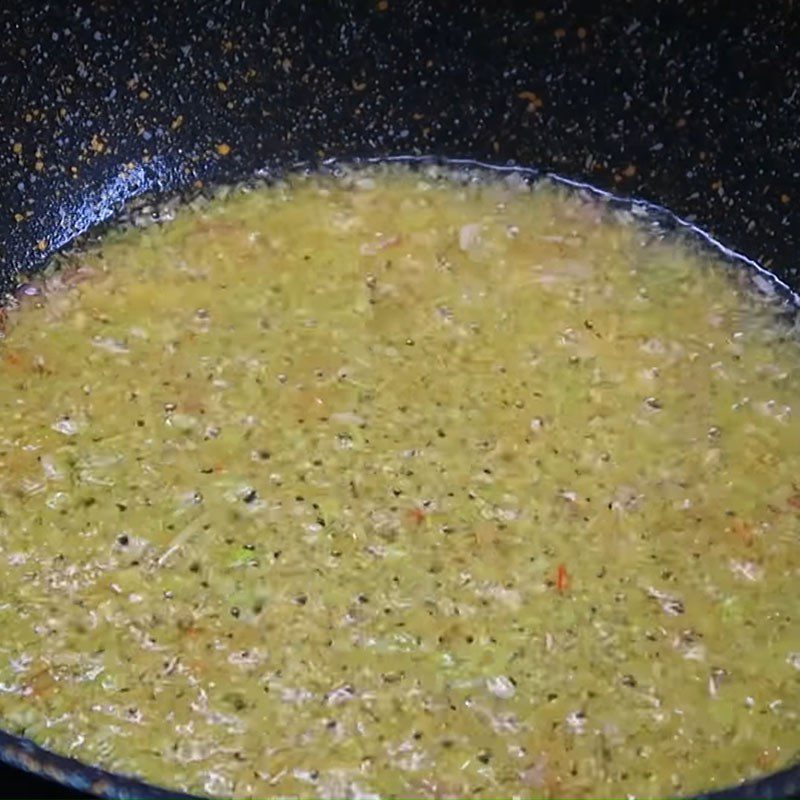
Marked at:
<point>391,487</point>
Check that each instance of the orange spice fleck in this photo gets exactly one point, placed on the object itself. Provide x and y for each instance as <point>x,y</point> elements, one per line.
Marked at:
<point>534,101</point>
<point>562,578</point>
<point>743,531</point>
<point>417,515</point>
<point>223,149</point>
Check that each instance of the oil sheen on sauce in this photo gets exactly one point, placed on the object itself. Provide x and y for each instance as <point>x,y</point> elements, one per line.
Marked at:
<point>400,485</point>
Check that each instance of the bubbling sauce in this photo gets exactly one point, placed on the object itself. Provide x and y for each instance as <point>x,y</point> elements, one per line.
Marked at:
<point>402,485</point>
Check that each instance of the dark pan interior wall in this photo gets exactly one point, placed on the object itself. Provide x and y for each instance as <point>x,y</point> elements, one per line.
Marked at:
<point>693,105</point>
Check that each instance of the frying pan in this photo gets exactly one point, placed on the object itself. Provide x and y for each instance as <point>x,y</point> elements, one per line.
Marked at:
<point>694,106</point>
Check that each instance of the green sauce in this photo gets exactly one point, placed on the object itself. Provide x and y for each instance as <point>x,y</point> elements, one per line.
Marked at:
<point>394,486</point>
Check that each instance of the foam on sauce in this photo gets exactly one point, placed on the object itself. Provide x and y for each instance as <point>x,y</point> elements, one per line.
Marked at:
<point>396,486</point>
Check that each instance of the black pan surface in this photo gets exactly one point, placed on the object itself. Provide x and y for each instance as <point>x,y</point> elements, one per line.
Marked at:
<point>695,106</point>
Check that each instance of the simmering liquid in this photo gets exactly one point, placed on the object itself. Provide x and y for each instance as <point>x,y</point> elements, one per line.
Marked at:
<point>396,485</point>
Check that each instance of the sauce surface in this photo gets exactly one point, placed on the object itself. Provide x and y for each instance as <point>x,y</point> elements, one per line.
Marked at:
<point>400,486</point>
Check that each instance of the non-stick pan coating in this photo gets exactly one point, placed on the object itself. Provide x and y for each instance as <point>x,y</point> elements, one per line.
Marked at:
<point>692,105</point>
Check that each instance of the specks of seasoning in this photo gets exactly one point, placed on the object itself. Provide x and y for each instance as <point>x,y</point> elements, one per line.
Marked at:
<point>562,578</point>
<point>223,149</point>
<point>670,604</point>
<point>235,612</point>
<point>501,686</point>
<point>417,515</point>
<point>249,495</point>
<point>576,722</point>
<point>534,101</point>
<point>715,680</point>
<point>66,426</point>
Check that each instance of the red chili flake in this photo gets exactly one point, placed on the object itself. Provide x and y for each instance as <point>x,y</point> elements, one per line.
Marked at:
<point>562,578</point>
<point>417,515</point>
<point>743,530</point>
<point>794,501</point>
